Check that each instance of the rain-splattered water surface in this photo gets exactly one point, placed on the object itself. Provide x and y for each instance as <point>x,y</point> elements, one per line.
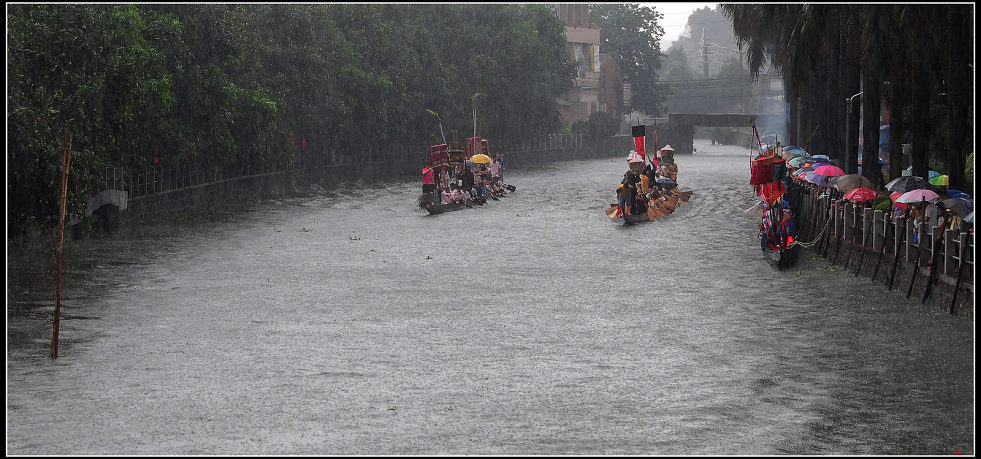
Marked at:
<point>355,323</point>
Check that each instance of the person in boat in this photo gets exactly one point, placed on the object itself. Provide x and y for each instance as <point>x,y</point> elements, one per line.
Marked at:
<point>485,173</point>
<point>446,197</point>
<point>429,183</point>
<point>495,169</point>
<point>659,203</point>
<point>480,193</point>
<point>672,171</point>
<point>465,179</point>
<point>646,178</point>
<point>640,202</point>
<point>497,187</point>
<point>444,179</point>
<point>457,194</point>
<point>788,228</point>
<point>625,194</point>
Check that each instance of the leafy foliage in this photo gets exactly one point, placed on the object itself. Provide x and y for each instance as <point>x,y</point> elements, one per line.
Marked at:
<point>632,35</point>
<point>249,85</point>
<point>600,125</point>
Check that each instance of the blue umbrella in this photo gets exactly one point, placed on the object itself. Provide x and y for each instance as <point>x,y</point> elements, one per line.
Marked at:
<point>959,194</point>
<point>821,157</point>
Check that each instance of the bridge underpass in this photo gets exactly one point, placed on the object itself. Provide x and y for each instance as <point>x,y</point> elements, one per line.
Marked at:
<point>678,129</point>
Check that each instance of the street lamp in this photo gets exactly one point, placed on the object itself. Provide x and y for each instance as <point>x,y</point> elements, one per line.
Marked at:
<point>848,126</point>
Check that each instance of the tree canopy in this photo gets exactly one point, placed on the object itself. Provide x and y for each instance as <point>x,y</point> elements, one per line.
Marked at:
<point>239,85</point>
<point>631,34</point>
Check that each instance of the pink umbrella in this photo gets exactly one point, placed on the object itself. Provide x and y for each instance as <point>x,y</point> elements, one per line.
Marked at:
<point>918,195</point>
<point>829,170</point>
<point>861,194</point>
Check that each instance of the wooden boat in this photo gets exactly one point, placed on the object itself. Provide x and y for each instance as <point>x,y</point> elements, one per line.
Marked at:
<point>782,259</point>
<point>627,219</point>
<point>441,208</point>
<point>634,219</point>
<point>781,254</point>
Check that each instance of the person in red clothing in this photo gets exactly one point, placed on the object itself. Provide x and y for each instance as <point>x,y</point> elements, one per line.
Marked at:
<point>429,183</point>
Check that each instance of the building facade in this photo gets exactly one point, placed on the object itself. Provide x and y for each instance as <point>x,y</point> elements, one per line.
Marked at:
<point>583,43</point>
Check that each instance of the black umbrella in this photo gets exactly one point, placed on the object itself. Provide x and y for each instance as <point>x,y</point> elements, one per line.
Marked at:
<point>959,206</point>
<point>666,182</point>
<point>908,183</point>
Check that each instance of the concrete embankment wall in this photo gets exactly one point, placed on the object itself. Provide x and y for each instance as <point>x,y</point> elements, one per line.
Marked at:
<point>883,250</point>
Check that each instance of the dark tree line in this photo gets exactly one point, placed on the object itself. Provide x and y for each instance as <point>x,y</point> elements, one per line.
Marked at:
<point>917,60</point>
<point>244,85</point>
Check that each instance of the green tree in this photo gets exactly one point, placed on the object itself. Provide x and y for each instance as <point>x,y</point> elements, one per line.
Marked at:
<point>631,35</point>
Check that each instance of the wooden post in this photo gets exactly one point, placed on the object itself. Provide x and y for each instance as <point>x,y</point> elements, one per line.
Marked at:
<point>848,254</point>
<point>899,242</point>
<point>933,267</point>
<point>867,229</point>
<point>960,271</point>
<point>882,247</point>
<point>66,162</point>
<point>839,217</point>
<point>916,264</point>
<point>827,232</point>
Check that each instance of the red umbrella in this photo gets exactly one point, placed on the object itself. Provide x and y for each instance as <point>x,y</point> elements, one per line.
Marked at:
<point>861,194</point>
<point>829,170</point>
<point>893,196</point>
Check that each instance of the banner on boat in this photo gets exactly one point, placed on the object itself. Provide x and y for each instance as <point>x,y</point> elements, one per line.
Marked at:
<point>438,155</point>
<point>639,136</point>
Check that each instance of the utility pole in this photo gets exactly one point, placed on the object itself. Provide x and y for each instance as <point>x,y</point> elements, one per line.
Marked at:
<point>705,59</point>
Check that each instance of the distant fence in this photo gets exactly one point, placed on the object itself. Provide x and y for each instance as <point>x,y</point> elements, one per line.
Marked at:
<point>157,192</point>
<point>401,161</point>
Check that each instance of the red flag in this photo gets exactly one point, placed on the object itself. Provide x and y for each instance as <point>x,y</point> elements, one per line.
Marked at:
<point>639,137</point>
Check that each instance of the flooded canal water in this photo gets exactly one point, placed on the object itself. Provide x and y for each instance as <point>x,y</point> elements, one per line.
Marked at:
<point>353,323</point>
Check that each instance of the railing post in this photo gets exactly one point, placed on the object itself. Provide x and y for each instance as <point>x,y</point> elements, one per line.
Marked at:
<point>949,250</point>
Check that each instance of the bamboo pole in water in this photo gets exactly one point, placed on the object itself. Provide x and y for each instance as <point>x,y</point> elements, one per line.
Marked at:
<point>65,165</point>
